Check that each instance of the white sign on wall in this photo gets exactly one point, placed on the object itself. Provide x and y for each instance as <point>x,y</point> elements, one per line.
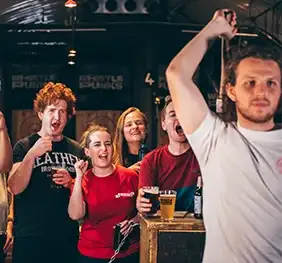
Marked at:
<point>106,82</point>
<point>31,81</point>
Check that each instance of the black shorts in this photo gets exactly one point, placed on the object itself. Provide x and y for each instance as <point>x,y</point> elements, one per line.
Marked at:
<point>40,250</point>
<point>2,243</point>
<point>134,258</point>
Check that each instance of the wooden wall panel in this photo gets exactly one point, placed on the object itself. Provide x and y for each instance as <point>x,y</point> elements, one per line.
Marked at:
<point>107,118</point>
<point>24,123</point>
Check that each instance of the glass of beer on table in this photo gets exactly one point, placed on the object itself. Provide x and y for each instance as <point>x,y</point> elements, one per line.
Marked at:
<point>152,193</point>
<point>167,200</point>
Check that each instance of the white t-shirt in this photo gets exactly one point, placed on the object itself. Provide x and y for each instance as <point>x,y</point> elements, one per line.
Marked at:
<point>242,176</point>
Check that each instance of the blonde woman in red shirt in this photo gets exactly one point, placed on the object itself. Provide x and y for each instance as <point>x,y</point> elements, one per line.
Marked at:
<point>104,196</point>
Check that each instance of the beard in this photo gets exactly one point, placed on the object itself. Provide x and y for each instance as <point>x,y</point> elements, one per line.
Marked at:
<point>256,117</point>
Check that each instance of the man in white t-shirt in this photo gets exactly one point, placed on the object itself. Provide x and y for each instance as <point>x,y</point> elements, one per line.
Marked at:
<point>241,162</point>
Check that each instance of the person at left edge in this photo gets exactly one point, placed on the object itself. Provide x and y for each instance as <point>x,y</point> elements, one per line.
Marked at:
<point>43,231</point>
<point>6,204</point>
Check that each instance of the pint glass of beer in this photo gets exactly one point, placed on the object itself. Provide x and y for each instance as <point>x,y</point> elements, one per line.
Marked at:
<point>53,184</point>
<point>152,193</point>
<point>167,199</point>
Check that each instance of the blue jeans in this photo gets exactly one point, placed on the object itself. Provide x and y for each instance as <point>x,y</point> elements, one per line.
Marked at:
<point>134,258</point>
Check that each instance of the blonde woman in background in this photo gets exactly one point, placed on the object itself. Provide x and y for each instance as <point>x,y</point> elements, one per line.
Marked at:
<point>131,129</point>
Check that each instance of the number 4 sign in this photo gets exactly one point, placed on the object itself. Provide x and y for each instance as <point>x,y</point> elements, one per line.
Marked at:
<point>148,79</point>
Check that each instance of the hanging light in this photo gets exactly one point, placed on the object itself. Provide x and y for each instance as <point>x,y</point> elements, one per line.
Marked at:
<point>71,60</point>
<point>70,4</point>
<point>157,100</point>
<point>72,51</point>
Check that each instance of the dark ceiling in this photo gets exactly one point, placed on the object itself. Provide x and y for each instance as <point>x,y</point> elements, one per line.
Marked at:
<point>190,11</point>
<point>110,19</point>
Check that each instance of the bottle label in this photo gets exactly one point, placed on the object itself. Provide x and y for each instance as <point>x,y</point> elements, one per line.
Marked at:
<point>198,204</point>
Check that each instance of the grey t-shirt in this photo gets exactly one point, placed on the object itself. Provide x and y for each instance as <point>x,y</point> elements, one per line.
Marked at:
<point>4,204</point>
<point>242,175</point>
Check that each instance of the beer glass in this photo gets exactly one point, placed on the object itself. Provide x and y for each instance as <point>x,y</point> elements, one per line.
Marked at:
<point>152,193</point>
<point>167,200</point>
<point>54,170</point>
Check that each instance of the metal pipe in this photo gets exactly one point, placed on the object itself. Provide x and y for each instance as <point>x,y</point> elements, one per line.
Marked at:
<point>49,30</point>
<point>220,102</point>
<point>266,10</point>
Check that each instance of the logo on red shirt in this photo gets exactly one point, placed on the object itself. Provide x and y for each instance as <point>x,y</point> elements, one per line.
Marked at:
<point>125,194</point>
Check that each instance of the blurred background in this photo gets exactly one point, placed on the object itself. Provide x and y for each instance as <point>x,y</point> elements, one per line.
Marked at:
<point>113,54</point>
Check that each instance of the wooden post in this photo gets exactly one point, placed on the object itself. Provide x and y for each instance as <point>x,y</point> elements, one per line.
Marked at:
<point>145,83</point>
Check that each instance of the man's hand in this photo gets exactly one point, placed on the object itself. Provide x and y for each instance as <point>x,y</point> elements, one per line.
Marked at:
<point>223,23</point>
<point>135,167</point>
<point>9,237</point>
<point>2,121</point>
<point>143,204</point>
<point>42,145</point>
<point>62,177</point>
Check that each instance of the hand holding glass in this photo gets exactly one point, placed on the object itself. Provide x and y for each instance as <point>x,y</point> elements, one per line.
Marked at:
<point>152,193</point>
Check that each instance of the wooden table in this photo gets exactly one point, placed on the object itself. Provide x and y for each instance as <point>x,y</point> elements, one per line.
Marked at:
<point>179,241</point>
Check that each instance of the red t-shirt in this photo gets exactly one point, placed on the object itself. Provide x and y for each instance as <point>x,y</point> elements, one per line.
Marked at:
<point>109,200</point>
<point>171,172</point>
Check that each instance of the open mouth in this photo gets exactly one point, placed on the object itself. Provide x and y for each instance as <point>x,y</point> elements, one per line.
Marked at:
<point>55,125</point>
<point>179,130</point>
<point>103,156</point>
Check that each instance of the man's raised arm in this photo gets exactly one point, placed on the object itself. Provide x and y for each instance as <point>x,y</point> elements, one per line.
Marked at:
<point>21,172</point>
<point>190,106</point>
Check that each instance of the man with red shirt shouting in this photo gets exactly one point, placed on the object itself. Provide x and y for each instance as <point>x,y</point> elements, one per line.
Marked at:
<point>173,166</point>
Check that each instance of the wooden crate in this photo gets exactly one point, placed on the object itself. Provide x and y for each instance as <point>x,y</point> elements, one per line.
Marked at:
<point>180,241</point>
